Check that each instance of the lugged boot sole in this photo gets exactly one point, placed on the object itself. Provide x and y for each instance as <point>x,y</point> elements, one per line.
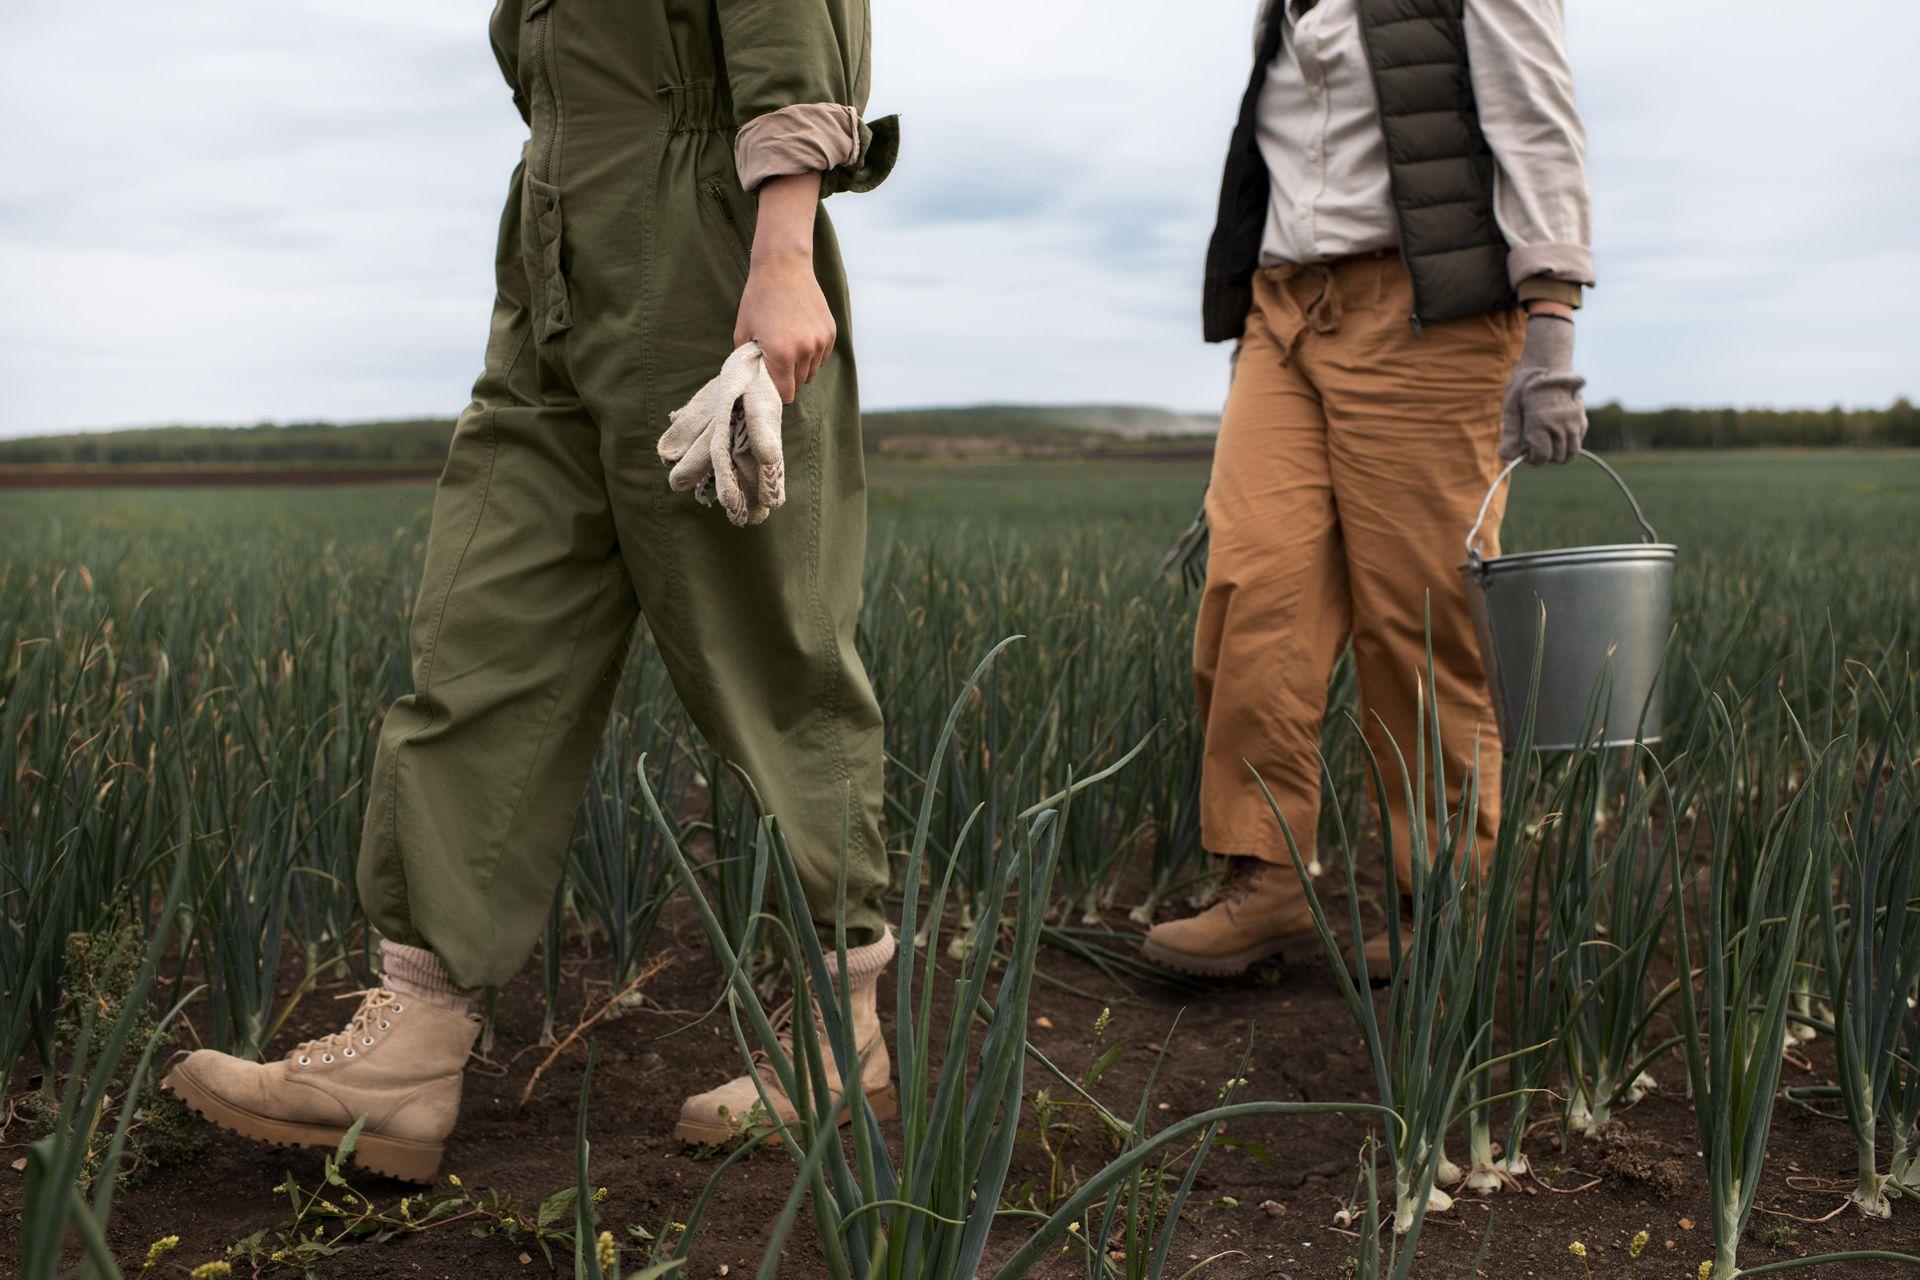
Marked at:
<point>1293,948</point>
<point>1233,964</point>
<point>376,1153</point>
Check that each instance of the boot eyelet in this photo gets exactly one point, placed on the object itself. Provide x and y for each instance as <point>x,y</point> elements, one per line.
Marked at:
<point>306,1061</point>
<point>399,1008</point>
<point>349,1053</point>
<point>326,1057</point>
<point>385,1025</point>
<point>366,1040</point>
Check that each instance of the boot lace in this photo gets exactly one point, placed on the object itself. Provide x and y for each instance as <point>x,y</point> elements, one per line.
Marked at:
<point>1243,884</point>
<point>372,1016</point>
<point>781,1019</point>
<point>782,1022</point>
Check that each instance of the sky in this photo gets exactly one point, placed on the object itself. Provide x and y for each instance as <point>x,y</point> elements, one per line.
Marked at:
<point>225,212</point>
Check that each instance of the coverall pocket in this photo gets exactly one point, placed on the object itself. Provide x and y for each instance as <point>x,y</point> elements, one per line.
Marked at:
<point>727,220</point>
<point>544,213</point>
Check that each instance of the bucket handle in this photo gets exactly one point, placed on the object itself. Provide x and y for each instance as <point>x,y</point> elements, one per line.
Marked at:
<point>1473,534</point>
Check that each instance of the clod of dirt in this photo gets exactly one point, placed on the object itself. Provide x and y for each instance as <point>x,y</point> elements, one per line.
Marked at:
<point>1638,1159</point>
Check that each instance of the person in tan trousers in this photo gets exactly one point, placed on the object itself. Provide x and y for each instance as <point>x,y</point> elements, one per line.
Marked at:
<point>1401,246</point>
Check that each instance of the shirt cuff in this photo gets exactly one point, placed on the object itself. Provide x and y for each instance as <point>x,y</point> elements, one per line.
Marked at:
<point>812,137</point>
<point>1547,289</point>
<point>1570,262</point>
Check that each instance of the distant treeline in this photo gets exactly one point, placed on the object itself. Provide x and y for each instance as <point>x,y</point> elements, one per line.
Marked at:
<point>1615,429</point>
<point>1012,429</point>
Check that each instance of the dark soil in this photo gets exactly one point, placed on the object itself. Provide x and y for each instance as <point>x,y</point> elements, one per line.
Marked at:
<point>1266,1204</point>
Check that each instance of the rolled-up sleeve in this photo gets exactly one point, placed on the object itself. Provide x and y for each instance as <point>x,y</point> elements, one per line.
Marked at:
<point>798,74</point>
<point>1523,88</point>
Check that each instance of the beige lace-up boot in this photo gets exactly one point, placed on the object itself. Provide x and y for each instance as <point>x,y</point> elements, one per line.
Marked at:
<point>736,1110</point>
<point>1261,912</point>
<point>398,1062</point>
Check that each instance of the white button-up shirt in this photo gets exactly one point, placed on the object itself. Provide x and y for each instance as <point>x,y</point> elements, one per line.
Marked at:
<point>1319,132</point>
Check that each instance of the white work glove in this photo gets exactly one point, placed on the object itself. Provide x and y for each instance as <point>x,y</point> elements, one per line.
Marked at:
<point>724,443</point>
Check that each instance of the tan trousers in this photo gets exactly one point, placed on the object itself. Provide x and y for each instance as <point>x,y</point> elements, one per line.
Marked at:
<point>1352,457</point>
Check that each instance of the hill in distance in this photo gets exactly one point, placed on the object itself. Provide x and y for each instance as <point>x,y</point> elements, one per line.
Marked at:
<point>977,432</point>
<point>973,431</point>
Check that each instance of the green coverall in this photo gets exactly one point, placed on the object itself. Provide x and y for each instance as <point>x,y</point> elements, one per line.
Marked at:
<point>622,255</point>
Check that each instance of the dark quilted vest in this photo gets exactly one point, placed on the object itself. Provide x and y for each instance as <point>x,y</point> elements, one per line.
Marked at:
<point>1439,166</point>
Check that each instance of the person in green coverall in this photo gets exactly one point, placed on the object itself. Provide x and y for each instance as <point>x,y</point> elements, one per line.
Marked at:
<point>665,211</point>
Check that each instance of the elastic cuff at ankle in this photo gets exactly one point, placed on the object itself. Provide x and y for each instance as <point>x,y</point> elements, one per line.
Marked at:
<point>417,973</point>
<point>865,964</point>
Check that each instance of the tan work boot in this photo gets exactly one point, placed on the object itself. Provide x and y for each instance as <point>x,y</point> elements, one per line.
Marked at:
<point>736,1110</point>
<point>398,1063</point>
<point>1261,912</point>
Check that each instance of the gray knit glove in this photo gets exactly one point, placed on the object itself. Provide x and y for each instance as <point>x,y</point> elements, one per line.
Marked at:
<point>1544,419</point>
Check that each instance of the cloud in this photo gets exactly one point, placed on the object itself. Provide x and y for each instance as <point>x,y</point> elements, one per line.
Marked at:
<point>289,210</point>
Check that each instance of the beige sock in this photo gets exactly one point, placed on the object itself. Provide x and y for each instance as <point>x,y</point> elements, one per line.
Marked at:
<point>864,964</point>
<point>417,973</point>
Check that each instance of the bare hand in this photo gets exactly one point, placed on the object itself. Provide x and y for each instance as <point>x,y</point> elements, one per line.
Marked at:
<point>782,307</point>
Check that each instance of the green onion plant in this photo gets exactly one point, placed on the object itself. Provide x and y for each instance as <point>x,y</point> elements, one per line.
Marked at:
<point>1611,913</point>
<point>1869,929</point>
<point>1425,1047</point>
<point>56,1202</point>
<point>619,870</point>
<point>1736,978</point>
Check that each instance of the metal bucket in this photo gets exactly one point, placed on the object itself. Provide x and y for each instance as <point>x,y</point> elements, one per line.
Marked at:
<point>1608,611</point>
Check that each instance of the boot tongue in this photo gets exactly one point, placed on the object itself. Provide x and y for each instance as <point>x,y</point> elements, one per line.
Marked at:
<point>782,1019</point>
<point>372,1004</point>
<point>1245,883</point>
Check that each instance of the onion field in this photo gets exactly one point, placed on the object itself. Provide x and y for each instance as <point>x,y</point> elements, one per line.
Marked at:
<point>1700,955</point>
